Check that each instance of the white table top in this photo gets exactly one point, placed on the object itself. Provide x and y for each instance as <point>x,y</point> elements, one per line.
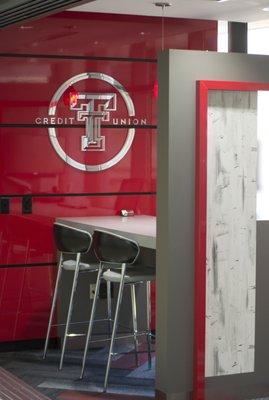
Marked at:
<point>141,228</point>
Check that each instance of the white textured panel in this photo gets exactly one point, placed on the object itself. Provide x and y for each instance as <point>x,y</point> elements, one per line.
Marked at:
<point>263,159</point>
<point>231,232</point>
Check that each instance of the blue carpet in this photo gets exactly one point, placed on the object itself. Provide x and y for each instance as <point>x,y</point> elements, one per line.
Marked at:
<point>125,378</point>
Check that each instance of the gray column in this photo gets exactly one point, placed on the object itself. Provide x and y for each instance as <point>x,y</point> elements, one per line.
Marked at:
<point>178,72</point>
<point>238,37</point>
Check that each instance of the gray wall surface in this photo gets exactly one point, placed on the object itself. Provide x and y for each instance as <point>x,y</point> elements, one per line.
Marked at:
<point>178,72</point>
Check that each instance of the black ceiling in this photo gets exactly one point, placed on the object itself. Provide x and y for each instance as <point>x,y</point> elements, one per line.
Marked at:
<point>17,11</point>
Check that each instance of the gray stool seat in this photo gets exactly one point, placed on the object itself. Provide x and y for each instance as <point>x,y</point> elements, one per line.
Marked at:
<point>70,265</point>
<point>134,274</point>
<point>123,252</point>
<point>71,243</point>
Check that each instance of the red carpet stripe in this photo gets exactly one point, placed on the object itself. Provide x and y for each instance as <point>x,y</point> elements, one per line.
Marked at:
<point>12,388</point>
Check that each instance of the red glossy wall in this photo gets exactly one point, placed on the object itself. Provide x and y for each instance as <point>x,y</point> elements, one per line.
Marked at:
<point>35,59</point>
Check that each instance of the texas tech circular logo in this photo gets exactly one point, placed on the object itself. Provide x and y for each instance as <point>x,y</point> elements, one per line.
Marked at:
<point>100,115</point>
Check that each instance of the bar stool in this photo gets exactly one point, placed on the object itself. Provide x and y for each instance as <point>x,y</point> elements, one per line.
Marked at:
<point>69,241</point>
<point>116,255</point>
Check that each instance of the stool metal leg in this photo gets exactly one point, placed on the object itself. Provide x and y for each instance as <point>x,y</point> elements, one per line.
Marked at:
<point>53,304</point>
<point>109,312</point>
<point>149,321</point>
<point>115,325</point>
<point>70,309</point>
<point>89,333</point>
<point>134,315</point>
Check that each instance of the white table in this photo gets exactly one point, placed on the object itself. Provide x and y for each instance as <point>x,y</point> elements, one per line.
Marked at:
<point>141,228</point>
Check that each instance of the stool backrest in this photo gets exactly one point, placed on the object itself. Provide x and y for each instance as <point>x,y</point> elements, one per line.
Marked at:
<point>112,248</point>
<point>71,240</point>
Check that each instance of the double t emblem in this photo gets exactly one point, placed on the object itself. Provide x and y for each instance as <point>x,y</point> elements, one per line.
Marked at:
<point>93,108</point>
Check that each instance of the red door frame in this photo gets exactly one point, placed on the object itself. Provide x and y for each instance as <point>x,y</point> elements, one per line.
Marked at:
<point>202,89</point>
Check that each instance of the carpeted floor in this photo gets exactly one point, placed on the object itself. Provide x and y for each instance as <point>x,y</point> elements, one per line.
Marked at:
<point>43,375</point>
<point>25,375</point>
<point>13,388</point>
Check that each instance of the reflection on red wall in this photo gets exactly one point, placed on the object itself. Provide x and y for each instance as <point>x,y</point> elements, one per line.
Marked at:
<point>36,59</point>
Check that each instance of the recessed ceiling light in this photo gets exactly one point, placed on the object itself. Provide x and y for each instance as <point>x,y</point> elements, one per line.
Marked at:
<point>265,9</point>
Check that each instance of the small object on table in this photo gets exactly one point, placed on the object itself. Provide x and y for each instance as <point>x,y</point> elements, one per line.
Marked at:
<point>127,213</point>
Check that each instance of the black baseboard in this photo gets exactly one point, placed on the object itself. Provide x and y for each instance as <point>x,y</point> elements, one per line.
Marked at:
<point>33,344</point>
